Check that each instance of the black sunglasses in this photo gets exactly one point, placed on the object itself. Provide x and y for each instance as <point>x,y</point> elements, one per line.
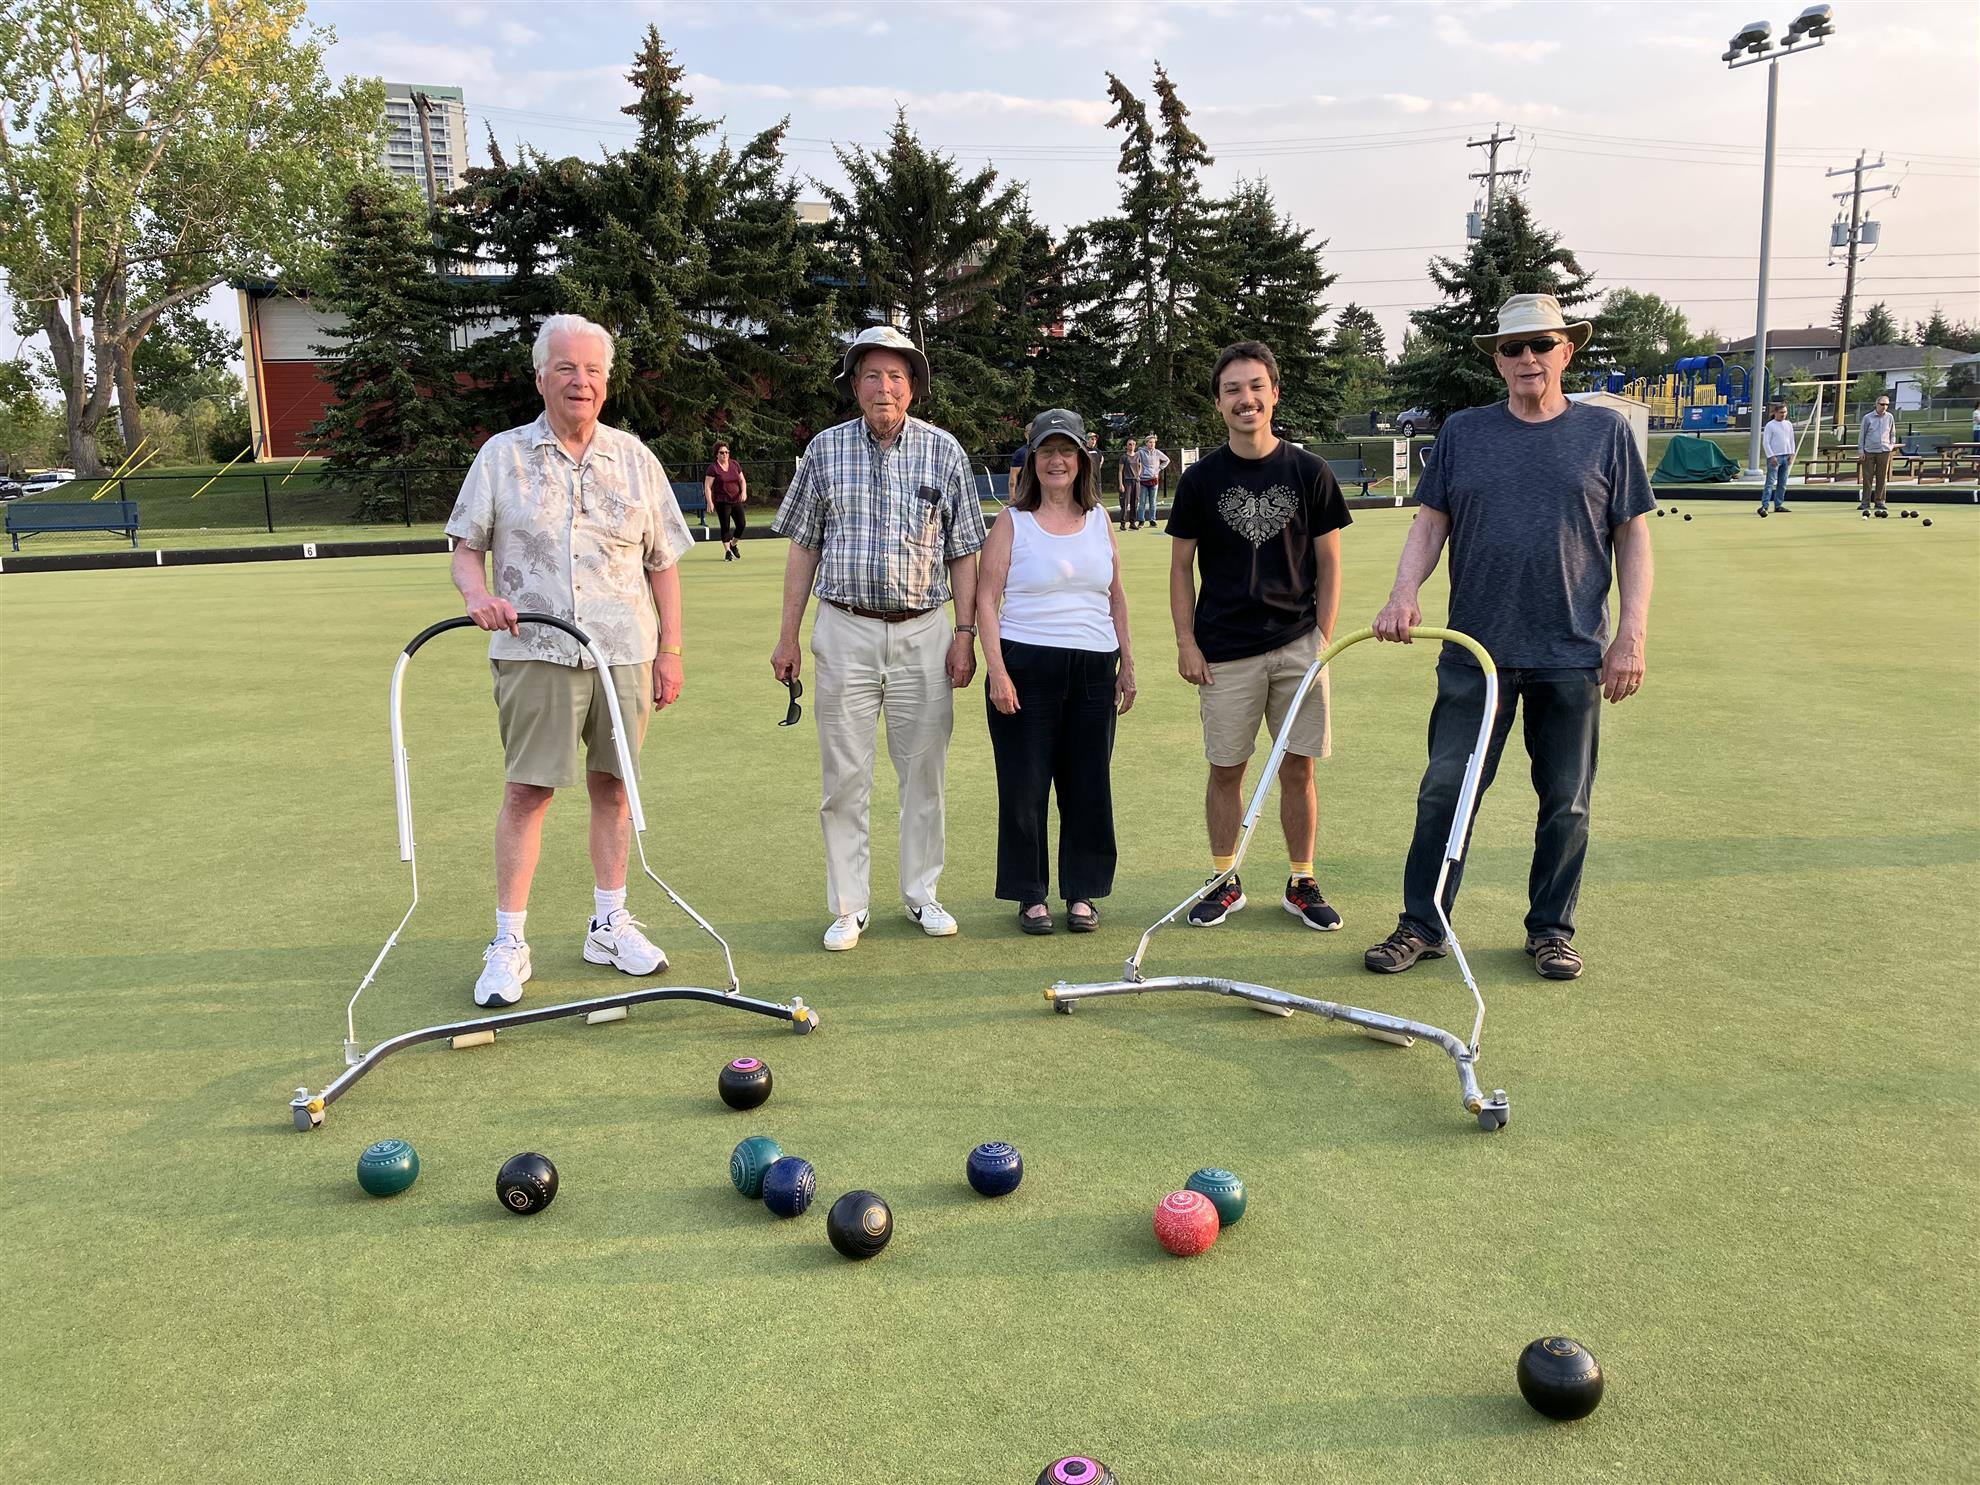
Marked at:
<point>792,717</point>
<point>1512,350</point>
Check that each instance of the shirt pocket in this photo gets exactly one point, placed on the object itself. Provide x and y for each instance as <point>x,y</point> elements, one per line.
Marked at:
<point>922,520</point>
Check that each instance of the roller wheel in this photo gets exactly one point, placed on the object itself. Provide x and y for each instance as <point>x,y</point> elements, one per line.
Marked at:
<point>1064,1007</point>
<point>1491,1120</point>
<point>804,1025</point>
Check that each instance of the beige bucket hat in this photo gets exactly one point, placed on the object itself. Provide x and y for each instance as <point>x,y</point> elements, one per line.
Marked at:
<point>884,338</point>
<point>1532,314</point>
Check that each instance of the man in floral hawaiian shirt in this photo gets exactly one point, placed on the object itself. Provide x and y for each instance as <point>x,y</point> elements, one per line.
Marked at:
<point>582,522</point>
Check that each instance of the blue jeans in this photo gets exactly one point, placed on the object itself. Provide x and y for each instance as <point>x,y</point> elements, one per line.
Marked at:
<point>1562,715</point>
<point>1777,476</point>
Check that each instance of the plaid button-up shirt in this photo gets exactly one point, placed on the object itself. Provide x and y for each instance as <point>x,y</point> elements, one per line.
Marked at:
<point>574,540</point>
<point>886,522</point>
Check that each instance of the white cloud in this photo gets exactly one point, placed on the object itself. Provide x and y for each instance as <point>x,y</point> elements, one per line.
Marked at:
<point>870,100</point>
<point>1471,105</point>
<point>514,34</point>
<point>1408,102</point>
<point>1451,31</point>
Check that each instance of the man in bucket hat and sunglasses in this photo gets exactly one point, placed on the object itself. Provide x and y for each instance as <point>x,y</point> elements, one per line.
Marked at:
<point>884,527</point>
<point>1537,497</point>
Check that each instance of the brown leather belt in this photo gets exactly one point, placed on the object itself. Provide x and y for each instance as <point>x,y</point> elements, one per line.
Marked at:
<point>896,616</point>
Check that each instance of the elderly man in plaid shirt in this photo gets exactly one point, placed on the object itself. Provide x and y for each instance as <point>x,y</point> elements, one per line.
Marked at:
<point>884,527</point>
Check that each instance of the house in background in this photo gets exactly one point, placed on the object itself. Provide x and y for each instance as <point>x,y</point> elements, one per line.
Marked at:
<point>1793,352</point>
<point>1899,366</point>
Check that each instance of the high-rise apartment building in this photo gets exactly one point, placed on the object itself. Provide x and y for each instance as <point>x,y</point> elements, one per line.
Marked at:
<point>447,119</point>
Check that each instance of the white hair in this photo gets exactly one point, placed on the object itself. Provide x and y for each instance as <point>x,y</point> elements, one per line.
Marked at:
<point>539,355</point>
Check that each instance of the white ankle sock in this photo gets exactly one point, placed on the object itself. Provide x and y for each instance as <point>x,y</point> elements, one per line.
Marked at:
<point>607,903</point>
<point>511,924</point>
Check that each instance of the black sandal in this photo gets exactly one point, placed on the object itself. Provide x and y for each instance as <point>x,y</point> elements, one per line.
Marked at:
<point>1084,922</point>
<point>1037,926</point>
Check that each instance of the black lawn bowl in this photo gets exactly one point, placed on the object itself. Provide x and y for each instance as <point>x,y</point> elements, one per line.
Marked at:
<point>744,1083</point>
<point>860,1224</point>
<point>1560,1378</point>
<point>1075,1469</point>
<point>527,1183</point>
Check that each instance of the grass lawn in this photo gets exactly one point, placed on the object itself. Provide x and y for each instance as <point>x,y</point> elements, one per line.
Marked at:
<point>1742,1164</point>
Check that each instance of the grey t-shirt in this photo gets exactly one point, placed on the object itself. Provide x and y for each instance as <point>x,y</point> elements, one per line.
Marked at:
<point>1532,508</point>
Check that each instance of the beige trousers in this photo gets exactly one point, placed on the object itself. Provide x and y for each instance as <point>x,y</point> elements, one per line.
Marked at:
<point>866,668</point>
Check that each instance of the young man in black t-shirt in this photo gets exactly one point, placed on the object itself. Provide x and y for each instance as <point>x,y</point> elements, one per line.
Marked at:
<point>1260,521</point>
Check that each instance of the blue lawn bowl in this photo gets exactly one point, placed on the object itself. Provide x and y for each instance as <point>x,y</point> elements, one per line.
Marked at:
<point>1226,1193</point>
<point>995,1169</point>
<point>387,1168</point>
<point>788,1186</point>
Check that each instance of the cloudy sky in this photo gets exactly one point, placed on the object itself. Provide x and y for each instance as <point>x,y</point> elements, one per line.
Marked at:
<point>1644,150</point>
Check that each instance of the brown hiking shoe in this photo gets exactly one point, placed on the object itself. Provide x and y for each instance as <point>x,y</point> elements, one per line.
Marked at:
<point>1399,951</point>
<point>1554,958</point>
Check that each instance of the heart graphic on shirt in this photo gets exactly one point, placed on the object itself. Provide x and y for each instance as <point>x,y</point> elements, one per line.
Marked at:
<point>1257,515</point>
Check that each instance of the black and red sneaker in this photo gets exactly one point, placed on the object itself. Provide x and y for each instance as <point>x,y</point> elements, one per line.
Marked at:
<point>1304,902</point>
<point>1218,906</point>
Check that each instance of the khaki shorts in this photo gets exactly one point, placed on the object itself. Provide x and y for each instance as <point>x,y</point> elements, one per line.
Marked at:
<point>545,708</point>
<point>1260,688</point>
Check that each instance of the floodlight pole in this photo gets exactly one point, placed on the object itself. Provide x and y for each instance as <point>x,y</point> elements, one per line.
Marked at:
<point>1762,51</point>
<point>1757,391</point>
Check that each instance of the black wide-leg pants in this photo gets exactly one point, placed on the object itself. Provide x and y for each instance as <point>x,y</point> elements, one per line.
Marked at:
<point>1061,737</point>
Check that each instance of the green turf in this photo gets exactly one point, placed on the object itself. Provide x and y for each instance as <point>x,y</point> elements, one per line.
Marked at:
<point>1741,1165</point>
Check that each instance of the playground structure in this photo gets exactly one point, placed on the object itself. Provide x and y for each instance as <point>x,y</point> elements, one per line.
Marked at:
<point>1694,393</point>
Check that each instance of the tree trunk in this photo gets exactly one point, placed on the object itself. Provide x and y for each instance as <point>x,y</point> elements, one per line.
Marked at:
<point>71,373</point>
<point>128,412</point>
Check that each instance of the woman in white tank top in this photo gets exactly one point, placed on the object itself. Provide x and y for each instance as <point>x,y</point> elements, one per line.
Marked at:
<point>1054,625</point>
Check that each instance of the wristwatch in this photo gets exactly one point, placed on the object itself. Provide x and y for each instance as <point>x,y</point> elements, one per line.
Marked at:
<point>969,629</point>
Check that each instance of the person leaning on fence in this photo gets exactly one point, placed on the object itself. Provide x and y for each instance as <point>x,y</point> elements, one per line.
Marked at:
<point>1876,445</point>
<point>1059,667</point>
<point>1777,444</point>
<point>1537,496</point>
<point>884,525</point>
<point>726,487</point>
<point>583,524</point>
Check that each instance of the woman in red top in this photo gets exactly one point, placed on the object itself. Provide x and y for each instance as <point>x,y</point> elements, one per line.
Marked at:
<point>726,488</point>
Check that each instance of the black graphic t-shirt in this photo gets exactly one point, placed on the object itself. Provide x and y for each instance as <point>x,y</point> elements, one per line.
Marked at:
<point>1254,522</point>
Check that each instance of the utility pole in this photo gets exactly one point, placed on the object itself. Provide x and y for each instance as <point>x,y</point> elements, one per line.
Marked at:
<point>1491,173</point>
<point>422,105</point>
<point>1854,196</point>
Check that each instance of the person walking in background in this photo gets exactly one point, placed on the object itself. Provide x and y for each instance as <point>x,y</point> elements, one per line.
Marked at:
<point>1876,442</point>
<point>724,486</point>
<point>1149,465</point>
<point>582,522</point>
<point>884,525</point>
<point>1097,459</point>
<point>1262,521</point>
<point>1127,479</point>
<point>1054,622</point>
<point>1539,498</point>
<point>1777,443</point>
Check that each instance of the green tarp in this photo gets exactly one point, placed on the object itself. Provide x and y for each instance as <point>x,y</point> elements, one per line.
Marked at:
<point>1694,461</point>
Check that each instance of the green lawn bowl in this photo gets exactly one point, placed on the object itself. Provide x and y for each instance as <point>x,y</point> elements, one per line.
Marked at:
<point>751,1159</point>
<point>1226,1193</point>
<point>388,1167</point>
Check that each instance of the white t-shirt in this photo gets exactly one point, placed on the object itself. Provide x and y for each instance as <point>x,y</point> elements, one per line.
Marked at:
<point>1777,438</point>
<point>1057,591</point>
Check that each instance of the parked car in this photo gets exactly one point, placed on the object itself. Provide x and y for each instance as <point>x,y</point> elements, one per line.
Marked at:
<point>1414,420</point>
<point>48,479</point>
<point>11,489</point>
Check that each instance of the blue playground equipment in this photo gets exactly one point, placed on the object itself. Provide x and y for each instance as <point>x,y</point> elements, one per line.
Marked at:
<point>1695,393</point>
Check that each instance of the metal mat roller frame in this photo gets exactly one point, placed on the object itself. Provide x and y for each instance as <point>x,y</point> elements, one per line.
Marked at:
<point>307,1109</point>
<point>1492,1113</point>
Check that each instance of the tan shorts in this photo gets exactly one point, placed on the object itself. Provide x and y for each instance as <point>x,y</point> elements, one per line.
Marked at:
<point>1260,688</point>
<point>545,708</point>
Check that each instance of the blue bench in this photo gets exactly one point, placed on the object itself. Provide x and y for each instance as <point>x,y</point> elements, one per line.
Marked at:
<point>1353,472</point>
<point>693,501</point>
<point>33,517</point>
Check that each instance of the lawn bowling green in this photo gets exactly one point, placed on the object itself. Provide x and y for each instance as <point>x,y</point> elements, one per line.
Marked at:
<point>1741,1174</point>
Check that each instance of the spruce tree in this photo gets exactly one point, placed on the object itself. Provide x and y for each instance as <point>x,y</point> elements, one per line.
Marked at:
<point>1357,365</point>
<point>392,363</point>
<point>1440,368</point>
<point>922,245</point>
<point>1270,286</point>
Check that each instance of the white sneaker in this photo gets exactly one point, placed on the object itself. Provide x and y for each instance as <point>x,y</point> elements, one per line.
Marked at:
<point>844,932</point>
<point>618,942</point>
<point>505,966</point>
<point>934,919</point>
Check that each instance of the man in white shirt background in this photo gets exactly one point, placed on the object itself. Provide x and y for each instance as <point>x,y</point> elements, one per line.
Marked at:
<point>1777,443</point>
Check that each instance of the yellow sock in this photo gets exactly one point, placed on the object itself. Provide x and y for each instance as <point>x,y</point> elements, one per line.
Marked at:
<point>1302,869</point>
<point>1223,863</point>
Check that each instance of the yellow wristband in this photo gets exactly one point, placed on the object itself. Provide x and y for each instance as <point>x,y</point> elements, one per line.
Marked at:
<point>670,649</point>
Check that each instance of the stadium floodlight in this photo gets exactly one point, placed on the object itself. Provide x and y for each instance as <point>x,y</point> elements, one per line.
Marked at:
<point>1750,44</point>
